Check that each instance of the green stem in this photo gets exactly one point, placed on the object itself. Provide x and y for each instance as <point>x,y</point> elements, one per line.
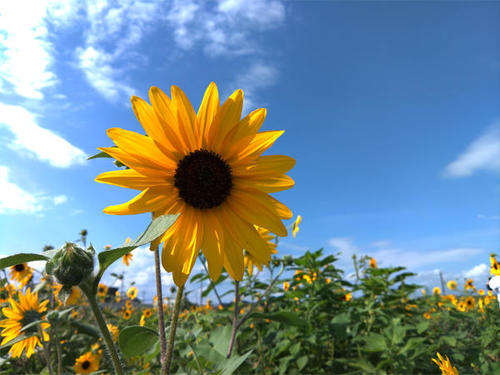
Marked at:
<point>104,330</point>
<point>173,328</point>
<point>355,267</point>
<point>235,317</point>
<point>161,318</point>
<point>59,352</point>
<point>197,360</point>
<point>46,345</point>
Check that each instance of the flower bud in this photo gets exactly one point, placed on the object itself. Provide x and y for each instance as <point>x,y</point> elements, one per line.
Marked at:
<point>71,264</point>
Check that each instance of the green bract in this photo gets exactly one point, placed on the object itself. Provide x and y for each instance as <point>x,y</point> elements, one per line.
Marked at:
<point>71,264</point>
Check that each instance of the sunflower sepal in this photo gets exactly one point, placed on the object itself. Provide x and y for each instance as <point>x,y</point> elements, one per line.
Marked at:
<point>71,264</point>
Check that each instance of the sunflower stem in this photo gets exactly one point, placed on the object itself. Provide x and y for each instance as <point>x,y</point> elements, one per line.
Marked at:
<point>47,350</point>
<point>91,297</point>
<point>211,282</point>
<point>173,327</point>
<point>235,317</point>
<point>58,350</point>
<point>161,317</point>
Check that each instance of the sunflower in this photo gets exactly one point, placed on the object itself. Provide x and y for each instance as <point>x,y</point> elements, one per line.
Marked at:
<point>6,292</point>
<point>147,313</point>
<point>470,303</point>
<point>249,260</point>
<point>451,284</point>
<point>19,315</point>
<point>86,363</point>
<point>295,226</point>
<point>117,296</point>
<point>348,297</point>
<point>128,304</point>
<point>495,266</point>
<point>72,298</point>
<point>469,284</point>
<point>286,286</point>
<point>127,258</point>
<point>373,263</point>
<point>445,366</point>
<point>113,330</point>
<point>127,314</point>
<point>208,168</point>
<point>102,290</point>
<point>436,291</point>
<point>21,273</point>
<point>132,292</point>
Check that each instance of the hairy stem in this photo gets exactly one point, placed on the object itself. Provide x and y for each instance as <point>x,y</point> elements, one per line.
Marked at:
<point>235,317</point>
<point>173,328</point>
<point>161,318</point>
<point>212,283</point>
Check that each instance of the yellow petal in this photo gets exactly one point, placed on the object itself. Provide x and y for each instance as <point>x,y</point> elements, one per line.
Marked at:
<point>244,132</point>
<point>226,119</point>
<point>130,178</point>
<point>267,165</point>
<point>267,185</point>
<point>186,118</point>
<point>208,109</point>
<point>140,164</point>
<point>260,143</point>
<point>152,199</point>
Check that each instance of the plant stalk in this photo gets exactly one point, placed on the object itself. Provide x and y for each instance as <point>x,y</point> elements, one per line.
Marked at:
<point>104,330</point>
<point>235,318</point>
<point>161,317</point>
<point>212,283</point>
<point>173,328</point>
<point>46,345</point>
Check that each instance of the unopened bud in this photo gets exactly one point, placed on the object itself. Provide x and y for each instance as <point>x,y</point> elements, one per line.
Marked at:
<point>71,264</point>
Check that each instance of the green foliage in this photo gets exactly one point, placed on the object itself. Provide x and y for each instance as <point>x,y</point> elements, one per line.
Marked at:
<point>137,340</point>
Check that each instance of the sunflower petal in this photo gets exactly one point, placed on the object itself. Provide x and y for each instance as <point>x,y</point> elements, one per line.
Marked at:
<point>152,199</point>
<point>226,119</point>
<point>260,143</point>
<point>208,109</point>
<point>267,185</point>
<point>129,178</point>
<point>186,117</point>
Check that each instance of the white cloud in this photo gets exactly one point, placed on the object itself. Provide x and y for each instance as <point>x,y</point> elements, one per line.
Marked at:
<point>482,154</point>
<point>382,243</point>
<point>59,199</point>
<point>14,199</point>
<point>26,52</point>
<point>481,271</point>
<point>37,141</point>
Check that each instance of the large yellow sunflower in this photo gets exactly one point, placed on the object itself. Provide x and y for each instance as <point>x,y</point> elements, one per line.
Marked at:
<point>19,315</point>
<point>208,167</point>
<point>21,273</point>
<point>86,363</point>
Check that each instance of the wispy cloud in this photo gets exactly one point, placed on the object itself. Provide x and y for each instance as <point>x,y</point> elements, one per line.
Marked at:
<point>34,140</point>
<point>483,154</point>
<point>26,52</point>
<point>16,200</point>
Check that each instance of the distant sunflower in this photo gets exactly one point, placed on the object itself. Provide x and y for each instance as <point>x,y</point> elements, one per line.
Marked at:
<point>208,167</point>
<point>495,266</point>
<point>127,258</point>
<point>295,226</point>
<point>250,260</point>
<point>451,284</point>
<point>21,273</point>
<point>86,363</point>
<point>102,290</point>
<point>147,313</point>
<point>113,330</point>
<point>128,304</point>
<point>445,366</point>
<point>286,286</point>
<point>127,314</point>
<point>470,302</point>
<point>373,263</point>
<point>132,292</point>
<point>436,291</point>
<point>469,284</point>
<point>19,315</point>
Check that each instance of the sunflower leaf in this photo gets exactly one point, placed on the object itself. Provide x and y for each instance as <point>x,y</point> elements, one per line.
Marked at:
<point>12,260</point>
<point>157,227</point>
<point>230,365</point>
<point>101,154</point>
<point>136,340</point>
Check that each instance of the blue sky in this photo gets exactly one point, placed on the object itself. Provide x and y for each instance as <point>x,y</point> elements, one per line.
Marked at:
<point>390,109</point>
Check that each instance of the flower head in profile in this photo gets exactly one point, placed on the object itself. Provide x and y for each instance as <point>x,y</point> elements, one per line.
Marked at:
<point>127,258</point>
<point>207,167</point>
<point>373,263</point>
<point>445,366</point>
<point>452,284</point>
<point>86,363</point>
<point>21,273</point>
<point>19,315</point>
<point>469,284</point>
<point>495,266</point>
<point>436,291</point>
<point>295,226</point>
<point>132,292</point>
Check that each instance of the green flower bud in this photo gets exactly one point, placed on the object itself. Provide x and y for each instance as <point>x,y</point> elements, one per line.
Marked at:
<point>71,264</point>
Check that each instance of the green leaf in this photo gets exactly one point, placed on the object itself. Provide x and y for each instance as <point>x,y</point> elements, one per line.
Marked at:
<point>220,339</point>
<point>375,343</point>
<point>85,328</point>
<point>228,366</point>
<point>136,340</point>
<point>286,317</point>
<point>101,154</point>
<point>157,227</point>
<point>302,362</point>
<point>422,326</point>
<point>450,340</point>
<point>12,260</point>
<point>360,363</point>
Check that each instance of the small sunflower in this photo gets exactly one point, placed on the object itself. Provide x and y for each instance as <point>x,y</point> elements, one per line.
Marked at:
<point>469,284</point>
<point>373,263</point>
<point>295,226</point>
<point>470,302</point>
<point>102,290</point>
<point>452,284</point>
<point>208,168</point>
<point>147,313</point>
<point>86,363</point>
<point>21,273</point>
<point>128,304</point>
<point>127,258</point>
<point>495,266</point>
<point>127,314</point>
<point>6,292</point>
<point>117,296</point>
<point>132,292</point>
<point>436,291</point>
<point>445,366</point>
<point>286,286</point>
<point>348,297</point>
<point>250,261</point>
<point>19,315</point>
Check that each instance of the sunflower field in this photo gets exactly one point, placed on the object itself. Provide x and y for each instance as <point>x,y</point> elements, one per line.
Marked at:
<point>203,179</point>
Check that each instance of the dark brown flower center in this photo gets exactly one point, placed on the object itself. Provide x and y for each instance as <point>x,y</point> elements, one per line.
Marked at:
<point>204,179</point>
<point>19,267</point>
<point>85,365</point>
